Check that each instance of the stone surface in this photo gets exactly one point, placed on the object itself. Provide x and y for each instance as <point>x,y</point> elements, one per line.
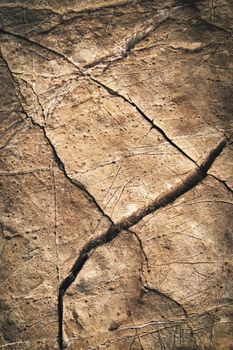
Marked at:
<point>116,175</point>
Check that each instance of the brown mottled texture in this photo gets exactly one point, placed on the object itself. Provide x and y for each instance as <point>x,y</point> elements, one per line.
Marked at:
<point>116,180</point>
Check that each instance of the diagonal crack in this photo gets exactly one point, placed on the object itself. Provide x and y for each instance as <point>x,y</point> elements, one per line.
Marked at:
<point>193,180</point>
<point>61,166</point>
<point>216,27</point>
<point>157,292</point>
<point>122,52</point>
<point>138,109</point>
<point>41,46</point>
<point>224,183</point>
<point>160,202</point>
<point>136,38</point>
<point>108,89</point>
<point>56,157</point>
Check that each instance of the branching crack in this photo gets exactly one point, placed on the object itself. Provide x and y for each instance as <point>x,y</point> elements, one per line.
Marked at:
<point>157,292</point>
<point>179,306</point>
<point>108,89</point>
<point>192,180</point>
<point>162,201</point>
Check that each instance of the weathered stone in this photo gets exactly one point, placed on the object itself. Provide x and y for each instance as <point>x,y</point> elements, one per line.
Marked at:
<point>116,175</point>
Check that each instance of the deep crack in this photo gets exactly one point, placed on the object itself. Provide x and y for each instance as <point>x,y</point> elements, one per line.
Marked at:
<point>162,201</point>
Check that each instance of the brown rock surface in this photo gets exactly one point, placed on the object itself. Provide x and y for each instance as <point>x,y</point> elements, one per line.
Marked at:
<point>116,175</point>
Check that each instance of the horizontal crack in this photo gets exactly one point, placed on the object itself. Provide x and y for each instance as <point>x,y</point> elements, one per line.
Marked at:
<point>190,182</point>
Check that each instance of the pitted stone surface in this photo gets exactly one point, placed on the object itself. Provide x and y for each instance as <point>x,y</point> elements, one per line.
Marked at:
<point>116,175</point>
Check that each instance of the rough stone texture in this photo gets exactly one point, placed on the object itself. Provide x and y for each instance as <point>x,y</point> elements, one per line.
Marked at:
<point>116,175</point>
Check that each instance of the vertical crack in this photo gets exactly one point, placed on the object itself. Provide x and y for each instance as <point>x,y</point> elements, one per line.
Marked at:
<point>55,225</point>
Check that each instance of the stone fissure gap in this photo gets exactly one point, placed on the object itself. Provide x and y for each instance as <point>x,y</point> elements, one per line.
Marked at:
<point>192,180</point>
<point>115,229</point>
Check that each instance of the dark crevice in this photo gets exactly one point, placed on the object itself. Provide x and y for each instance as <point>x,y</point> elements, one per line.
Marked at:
<point>190,182</point>
<point>160,202</point>
<point>153,125</point>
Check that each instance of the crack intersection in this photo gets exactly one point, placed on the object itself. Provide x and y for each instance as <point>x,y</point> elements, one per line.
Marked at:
<point>196,177</point>
<point>115,229</point>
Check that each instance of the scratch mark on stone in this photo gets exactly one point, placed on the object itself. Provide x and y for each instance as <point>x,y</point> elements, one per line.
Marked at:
<point>131,42</point>
<point>153,125</point>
